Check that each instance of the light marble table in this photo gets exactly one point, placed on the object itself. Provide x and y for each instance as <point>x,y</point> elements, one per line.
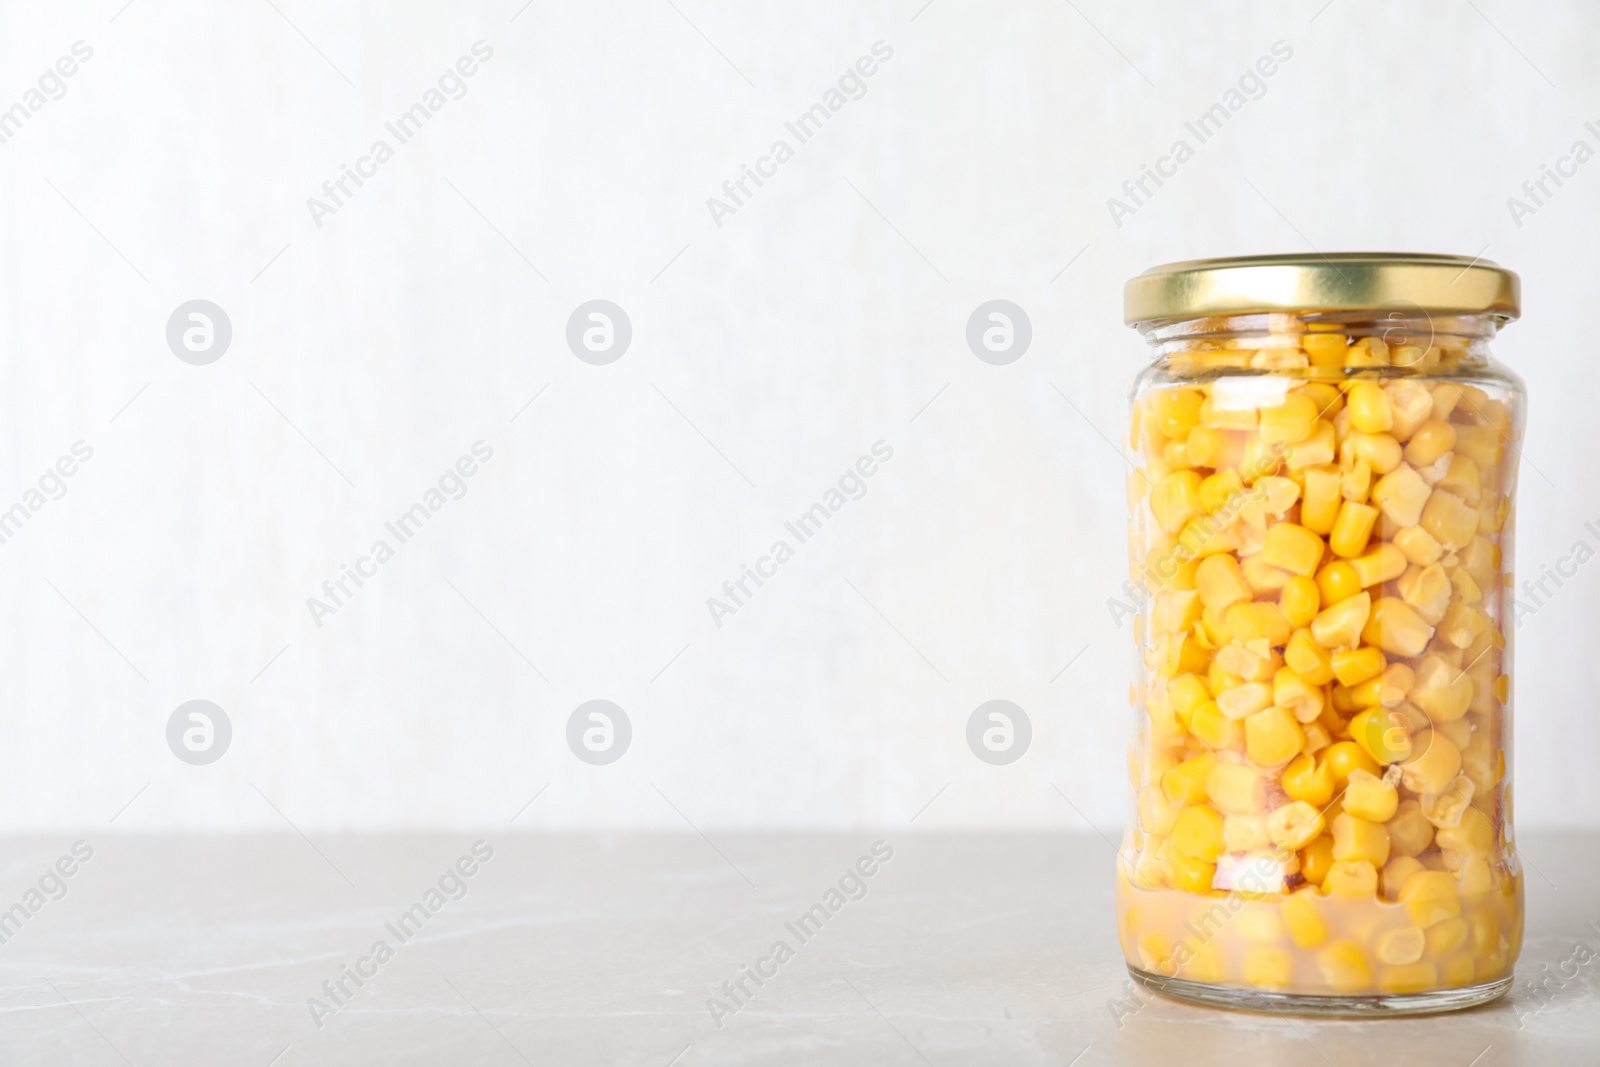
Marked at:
<point>978,949</point>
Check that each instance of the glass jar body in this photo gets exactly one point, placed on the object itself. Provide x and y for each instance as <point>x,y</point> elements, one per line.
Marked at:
<point>1321,543</point>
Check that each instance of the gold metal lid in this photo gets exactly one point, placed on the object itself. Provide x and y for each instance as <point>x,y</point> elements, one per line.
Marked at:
<point>1336,281</point>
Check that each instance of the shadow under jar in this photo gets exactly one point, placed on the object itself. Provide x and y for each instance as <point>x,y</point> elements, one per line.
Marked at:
<point>1321,545</point>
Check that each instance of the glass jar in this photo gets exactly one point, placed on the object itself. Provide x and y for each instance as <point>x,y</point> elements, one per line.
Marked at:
<point>1321,548</point>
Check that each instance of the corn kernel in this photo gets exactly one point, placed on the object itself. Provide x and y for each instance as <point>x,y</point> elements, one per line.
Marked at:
<point>1434,762</point>
<point>1445,809</point>
<point>1432,440</point>
<point>1192,875</point>
<point>1244,833</point>
<point>1344,967</point>
<point>1351,529</point>
<point>1307,658</point>
<point>1418,545</point>
<point>1316,860</point>
<point>1356,665</point>
<point>1441,690</point>
<point>1356,482</point>
<point>1450,519</point>
<point>1305,925</point>
<point>1315,450</point>
<point>1214,728</point>
<point>1369,407</point>
<point>1326,350</point>
<point>1427,589</point>
<point>1474,836</point>
<point>1292,547</point>
<point>1380,451</point>
<point>1408,978</point>
<point>1395,872</point>
<point>1351,878</point>
<point>1186,783</point>
<point>1220,582</point>
<point>1244,700</point>
<point>1381,564</point>
<point>1463,479</point>
<point>1370,797</point>
<point>1382,734</point>
<point>1308,779</point>
<point>1272,737</point>
<point>1267,968</point>
<point>1300,600</point>
<point>1258,622</point>
<point>1430,897</point>
<point>1319,505</point>
<point>1394,626</point>
<point>1295,825</point>
<point>1290,422</point>
<point>1298,696</point>
<point>1343,757</point>
<point>1233,787</point>
<point>1356,839</point>
<point>1341,625</point>
<point>1198,834</point>
<point>1399,946</point>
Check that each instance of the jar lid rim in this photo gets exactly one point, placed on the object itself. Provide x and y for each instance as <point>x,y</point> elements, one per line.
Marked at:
<point>1320,282</point>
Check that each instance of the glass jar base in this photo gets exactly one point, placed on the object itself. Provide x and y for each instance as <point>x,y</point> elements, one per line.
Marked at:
<point>1377,1005</point>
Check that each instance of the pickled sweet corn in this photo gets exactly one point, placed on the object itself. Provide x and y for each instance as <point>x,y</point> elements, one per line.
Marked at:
<point>1324,527</point>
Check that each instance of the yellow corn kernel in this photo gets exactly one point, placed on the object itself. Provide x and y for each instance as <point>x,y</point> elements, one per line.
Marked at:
<point>1243,700</point>
<point>1325,395</point>
<point>1315,450</point>
<point>1297,696</point>
<point>1380,450</point>
<point>1446,809</point>
<point>1266,967</point>
<point>1456,970</point>
<point>1356,482</point>
<point>1356,839</point>
<point>1395,872</point>
<point>1188,692</point>
<point>1369,797</point>
<point>1474,836</point>
<point>1191,875</point>
<point>1244,833</point>
<point>1308,779</point>
<point>1463,479</point>
<point>1156,812</point>
<point>1227,417</point>
<point>1344,757</point>
<point>1262,576</point>
<point>1432,440</point>
<point>1445,937</point>
<point>1209,447</point>
<point>1220,582</point>
<point>1272,737</point>
<point>1217,488</point>
<point>1319,506</point>
<point>1434,762</point>
<point>1307,658</point>
<point>1316,860</point>
<point>1401,495</point>
<point>1429,897</point>
<point>1292,547</point>
<point>1204,536</point>
<point>1290,422</point>
<point>1481,444</point>
<point>1408,978</point>
<point>1198,833</point>
<point>1351,878</point>
<point>1214,728</point>
<point>1382,734</point>
<point>1351,529</point>
<point>1177,411</point>
<point>1369,407</point>
<point>1394,626</point>
<point>1427,589</point>
<point>1410,404</point>
<point>1337,581</point>
<point>1409,830</point>
<point>1326,350</point>
<point>1295,825</point>
<point>1441,690</point>
<point>1304,923</point>
<point>1186,783</point>
<point>1356,665</point>
<point>1258,622</point>
<point>1300,600</point>
<point>1451,520</point>
<point>1418,545</point>
<point>1344,967</point>
<point>1401,945</point>
<point>1176,500</point>
<point>1367,352</point>
<point>1381,564</point>
<point>1462,624</point>
<point>1234,787</point>
<point>1341,625</point>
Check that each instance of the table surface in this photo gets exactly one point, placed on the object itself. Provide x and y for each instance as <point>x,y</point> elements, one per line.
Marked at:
<point>958,949</point>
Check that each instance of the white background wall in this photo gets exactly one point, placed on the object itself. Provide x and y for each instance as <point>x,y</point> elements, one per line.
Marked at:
<point>820,318</point>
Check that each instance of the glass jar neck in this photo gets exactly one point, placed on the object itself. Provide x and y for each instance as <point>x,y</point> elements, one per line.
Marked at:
<point>1408,329</point>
